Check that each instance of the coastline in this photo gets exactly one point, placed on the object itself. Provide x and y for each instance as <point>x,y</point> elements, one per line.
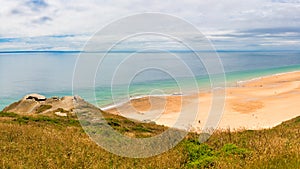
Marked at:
<point>231,81</point>
<point>256,103</point>
<point>267,76</point>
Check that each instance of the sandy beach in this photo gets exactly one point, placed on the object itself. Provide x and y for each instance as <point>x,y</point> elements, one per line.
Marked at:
<point>255,104</point>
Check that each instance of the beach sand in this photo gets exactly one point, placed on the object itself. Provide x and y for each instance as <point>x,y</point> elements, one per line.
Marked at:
<point>255,104</point>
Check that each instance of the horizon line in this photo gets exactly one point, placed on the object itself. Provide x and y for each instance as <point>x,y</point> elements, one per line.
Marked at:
<point>136,51</point>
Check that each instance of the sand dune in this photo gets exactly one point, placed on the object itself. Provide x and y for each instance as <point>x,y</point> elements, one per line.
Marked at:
<point>261,103</point>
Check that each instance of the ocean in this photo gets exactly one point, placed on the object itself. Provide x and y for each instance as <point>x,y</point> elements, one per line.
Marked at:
<point>51,73</point>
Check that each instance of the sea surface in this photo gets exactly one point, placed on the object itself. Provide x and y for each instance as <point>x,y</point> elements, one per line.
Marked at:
<point>51,73</point>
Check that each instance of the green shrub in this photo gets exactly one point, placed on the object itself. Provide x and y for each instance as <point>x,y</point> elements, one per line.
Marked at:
<point>141,128</point>
<point>22,120</point>
<point>232,149</point>
<point>47,119</point>
<point>43,108</point>
<point>7,114</point>
<point>200,155</point>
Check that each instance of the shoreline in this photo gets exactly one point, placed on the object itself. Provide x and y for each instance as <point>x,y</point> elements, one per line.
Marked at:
<point>267,76</point>
<point>237,83</point>
<point>249,105</point>
<point>114,105</point>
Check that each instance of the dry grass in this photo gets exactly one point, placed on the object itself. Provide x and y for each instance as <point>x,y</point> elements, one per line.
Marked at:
<point>56,142</point>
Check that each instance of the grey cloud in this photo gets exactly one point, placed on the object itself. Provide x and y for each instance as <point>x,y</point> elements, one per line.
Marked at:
<point>275,30</point>
<point>16,12</point>
<point>265,38</point>
<point>42,20</point>
<point>37,5</point>
<point>283,32</point>
<point>286,1</point>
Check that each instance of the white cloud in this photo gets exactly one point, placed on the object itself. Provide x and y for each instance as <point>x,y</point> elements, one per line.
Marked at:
<point>38,18</point>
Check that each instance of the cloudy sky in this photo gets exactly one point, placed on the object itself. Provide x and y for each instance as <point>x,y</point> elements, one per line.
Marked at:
<point>230,24</point>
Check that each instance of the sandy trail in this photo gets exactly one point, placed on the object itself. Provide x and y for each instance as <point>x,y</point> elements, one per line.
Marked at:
<point>261,103</point>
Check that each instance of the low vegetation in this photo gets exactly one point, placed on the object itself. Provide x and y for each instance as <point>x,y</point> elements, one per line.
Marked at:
<point>43,108</point>
<point>40,141</point>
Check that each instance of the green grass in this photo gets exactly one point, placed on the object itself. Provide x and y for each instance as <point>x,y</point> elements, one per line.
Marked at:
<point>43,108</point>
<point>47,120</point>
<point>38,141</point>
<point>141,128</point>
<point>38,119</point>
<point>8,114</point>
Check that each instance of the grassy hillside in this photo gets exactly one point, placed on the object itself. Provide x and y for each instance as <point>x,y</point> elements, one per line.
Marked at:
<point>55,142</point>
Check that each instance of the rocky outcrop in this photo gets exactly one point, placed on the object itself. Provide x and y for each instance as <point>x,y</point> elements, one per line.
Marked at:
<point>38,104</point>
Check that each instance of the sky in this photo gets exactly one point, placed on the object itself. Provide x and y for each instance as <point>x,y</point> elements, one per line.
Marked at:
<point>229,24</point>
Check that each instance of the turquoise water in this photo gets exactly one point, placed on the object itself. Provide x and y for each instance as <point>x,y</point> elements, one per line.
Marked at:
<point>51,74</point>
<point>104,98</point>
